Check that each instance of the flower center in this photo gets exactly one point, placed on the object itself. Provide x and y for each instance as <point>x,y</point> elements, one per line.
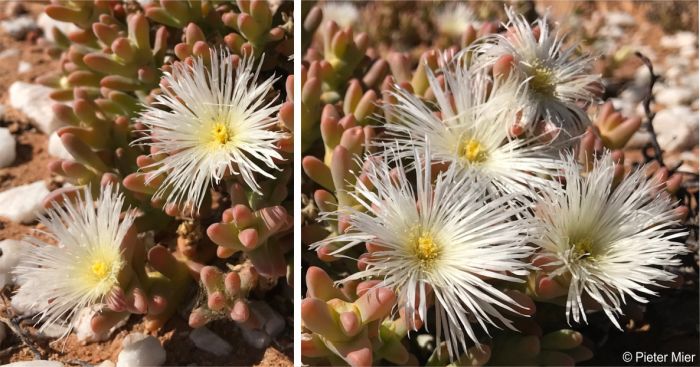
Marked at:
<point>426,250</point>
<point>220,133</point>
<point>100,269</point>
<point>542,80</point>
<point>473,151</point>
<point>582,248</point>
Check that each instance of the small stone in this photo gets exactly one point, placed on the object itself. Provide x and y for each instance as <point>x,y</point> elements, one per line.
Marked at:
<point>676,128</point>
<point>634,94</point>
<point>678,139</point>
<point>39,363</point>
<point>33,100</point>
<point>21,204</point>
<point>674,72</point>
<point>689,167</point>
<point>46,23</point>
<point>209,341</point>
<point>55,331</point>
<point>19,27</point>
<point>680,40</point>
<point>613,31</point>
<point>273,322</point>
<point>8,147</point>
<point>669,118</point>
<point>674,96</point>
<point>690,80</point>
<point>425,341</point>
<point>256,338</point>
<point>11,252</point>
<point>140,350</point>
<point>642,77</point>
<point>620,19</point>
<point>625,107</point>
<point>689,51</point>
<point>23,67</point>
<point>688,157</point>
<point>9,53</point>
<point>57,149</point>
<point>676,59</point>
<point>83,328</point>
<point>639,140</point>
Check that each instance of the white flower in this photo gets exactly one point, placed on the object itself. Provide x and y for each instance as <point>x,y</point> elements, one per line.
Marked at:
<point>344,14</point>
<point>216,121</point>
<point>612,242</point>
<point>473,131</point>
<point>556,77</point>
<point>83,268</point>
<point>454,19</point>
<point>447,239</point>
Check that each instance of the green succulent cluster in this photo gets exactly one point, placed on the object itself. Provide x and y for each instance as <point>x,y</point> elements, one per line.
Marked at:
<point>346,85</point>
<point>110,68</point>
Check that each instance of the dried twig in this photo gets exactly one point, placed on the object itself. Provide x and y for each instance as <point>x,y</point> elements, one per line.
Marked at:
<point>14,326</point>
<point>658,153</point>
<point>685,196</point>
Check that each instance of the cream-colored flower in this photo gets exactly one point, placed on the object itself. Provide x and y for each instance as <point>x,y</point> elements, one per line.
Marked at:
<point>446,239</point>
<point>210,121</point>
<point>612,241</point>
<point>473,131</point>
<point>557,79</point>
<point>343,13</point>
<point>83,268</point>
<point>454,19</point>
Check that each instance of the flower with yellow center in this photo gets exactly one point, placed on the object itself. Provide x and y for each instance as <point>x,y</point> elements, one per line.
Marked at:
<point>611,241</point>
<point>472,131</point>
<point>448,237</point>
<point>83,268</point>
<point>542,80</point>
<point>212,121</point>
<point>555,79</point>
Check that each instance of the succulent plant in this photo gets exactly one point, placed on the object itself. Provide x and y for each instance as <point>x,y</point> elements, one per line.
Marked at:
<point>367,100</point>
<point>350,326</point>
<point>120,64</point>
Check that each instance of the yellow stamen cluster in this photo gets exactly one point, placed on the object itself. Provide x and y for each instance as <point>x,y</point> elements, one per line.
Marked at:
<point>425,249</point>
<point>542,80</point>
<point>100,269</point>
<point>473,151</point>
<point>582,248</point>
<point>220,133</point>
